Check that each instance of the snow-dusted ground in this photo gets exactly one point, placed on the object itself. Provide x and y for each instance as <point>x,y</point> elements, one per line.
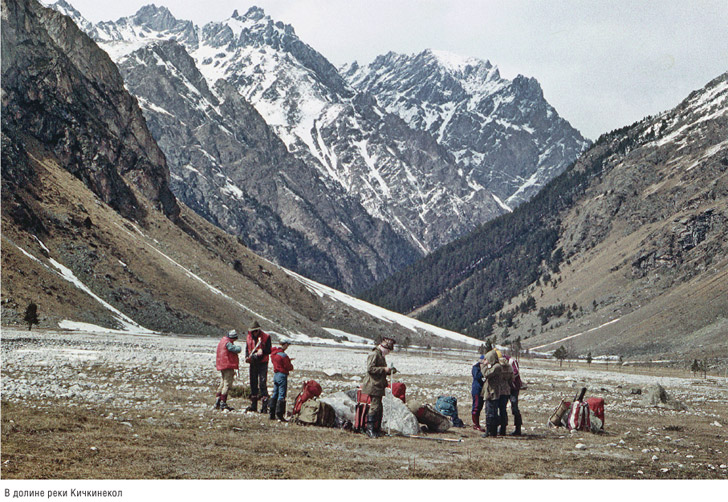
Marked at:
<point>122,369</point>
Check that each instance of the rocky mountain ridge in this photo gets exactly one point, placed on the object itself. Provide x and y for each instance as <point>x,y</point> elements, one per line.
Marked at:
<point>624,253</point>
<point>504,133</point>
<point>397,174</point>
<point>92,235</point>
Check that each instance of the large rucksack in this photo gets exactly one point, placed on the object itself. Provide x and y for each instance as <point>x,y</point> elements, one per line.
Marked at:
<point>311,388</point>
<point>429,416</point>
<point>596,405</point>
<point>448,406</point>
<point>315,412</point>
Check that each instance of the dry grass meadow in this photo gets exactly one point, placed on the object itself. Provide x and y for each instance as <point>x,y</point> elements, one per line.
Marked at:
<point>48,439</point>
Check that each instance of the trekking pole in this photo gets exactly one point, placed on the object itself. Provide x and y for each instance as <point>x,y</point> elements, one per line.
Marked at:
<point>413,436</point>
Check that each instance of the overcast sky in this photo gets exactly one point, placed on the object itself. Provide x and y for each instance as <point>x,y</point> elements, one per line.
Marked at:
<point>602,64</point>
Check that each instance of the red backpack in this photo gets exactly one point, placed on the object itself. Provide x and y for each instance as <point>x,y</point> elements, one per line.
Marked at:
<point>311,388</point>
<point>596,405</point>
<point>398,390</point>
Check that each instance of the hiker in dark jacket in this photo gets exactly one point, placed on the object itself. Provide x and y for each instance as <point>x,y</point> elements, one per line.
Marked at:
<point>226,362</point>
<point>497,374</point>
<point>282,366</point>
<point>516,386</point>
<point>475,391</point>
<point>257,350</point>
<point>375,381</point>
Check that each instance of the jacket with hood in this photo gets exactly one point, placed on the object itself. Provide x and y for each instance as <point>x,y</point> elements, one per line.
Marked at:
<point>281,362</point>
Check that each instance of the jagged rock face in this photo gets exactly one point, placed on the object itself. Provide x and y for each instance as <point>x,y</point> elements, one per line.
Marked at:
<point>230,167</point>
<point>400,176</point>
<point>670,168</point>
<point>504,133</point>
<point>62,90</point>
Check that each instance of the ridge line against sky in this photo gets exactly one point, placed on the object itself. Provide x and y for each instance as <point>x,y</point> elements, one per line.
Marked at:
<point>601,64</point>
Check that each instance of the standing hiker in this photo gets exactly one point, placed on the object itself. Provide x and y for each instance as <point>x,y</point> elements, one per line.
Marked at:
<point>497,374</point>
<point>226,361</point>
<point>281,367</point>
<point>257,350</point>
<point>375,381</point>
<point>516,386</point>
<point>476,390</point>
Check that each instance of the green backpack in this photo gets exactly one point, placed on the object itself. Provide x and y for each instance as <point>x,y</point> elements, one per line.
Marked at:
<point>315,412</point>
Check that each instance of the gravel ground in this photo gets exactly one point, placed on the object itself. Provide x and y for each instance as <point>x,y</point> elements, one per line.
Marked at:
<point>122,374</point>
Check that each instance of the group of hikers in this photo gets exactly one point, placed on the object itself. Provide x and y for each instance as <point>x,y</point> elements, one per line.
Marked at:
<point>496,381</point>
<point>258,352</point>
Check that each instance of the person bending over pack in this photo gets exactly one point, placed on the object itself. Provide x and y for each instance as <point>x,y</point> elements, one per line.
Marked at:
<point>374,384</point>
<point>281,367</point>
<point>516,386</point>
<point>496,390</point>
<point>475,391</point>
<point>226,361</point>
<point>257,350</point>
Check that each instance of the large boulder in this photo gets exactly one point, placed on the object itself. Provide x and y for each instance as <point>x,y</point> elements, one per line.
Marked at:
<point>657,396</point>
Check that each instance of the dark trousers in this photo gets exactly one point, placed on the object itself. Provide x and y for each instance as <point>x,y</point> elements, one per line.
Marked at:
<point>478,403</point>
<point>517,420</point>
<point>258,380</point>
<point>496,411</point>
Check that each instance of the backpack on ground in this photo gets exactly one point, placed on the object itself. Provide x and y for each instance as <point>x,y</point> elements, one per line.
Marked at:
<point>361,410</point>
<point>596,405</point>
<point>429,416</point>
<point>398,390</point>
<point>311,388</point>
<point>315,412</point>
<point>579,418</point>
<point>448,406</point>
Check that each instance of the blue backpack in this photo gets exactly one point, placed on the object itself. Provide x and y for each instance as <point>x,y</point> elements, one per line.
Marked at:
<point>448,406</point>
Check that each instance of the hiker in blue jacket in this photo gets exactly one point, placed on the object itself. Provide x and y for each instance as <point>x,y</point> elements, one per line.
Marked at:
<point>476,390</point>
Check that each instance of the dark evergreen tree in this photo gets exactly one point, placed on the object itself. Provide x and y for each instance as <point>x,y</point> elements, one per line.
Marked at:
<point>31,315</point>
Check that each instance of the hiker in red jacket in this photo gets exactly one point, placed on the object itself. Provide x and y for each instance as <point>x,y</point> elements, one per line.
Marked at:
<point>282,366</point>
<point>226,361</point>
<point>257,350</point>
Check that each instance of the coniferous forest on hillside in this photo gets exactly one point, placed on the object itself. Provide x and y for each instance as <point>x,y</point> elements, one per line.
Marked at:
<point>470,279</point>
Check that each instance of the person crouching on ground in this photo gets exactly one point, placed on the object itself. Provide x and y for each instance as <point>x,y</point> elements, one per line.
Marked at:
<point>476,390</point>
<point>374,384</point>
<point>226,361</point>
<point>257,350</point>
<point>497,374</point>
<point>282,366</point>
<point>516,386</point>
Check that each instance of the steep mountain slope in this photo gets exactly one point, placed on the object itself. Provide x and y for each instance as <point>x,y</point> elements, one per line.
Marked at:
<point>93,238</point>
<point>625,253</point>
<point>400,176</point>
<point>233,170</point>
<point>504,133</point>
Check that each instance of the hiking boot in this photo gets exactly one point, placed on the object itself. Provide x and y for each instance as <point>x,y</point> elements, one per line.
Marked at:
<point>490,431</point>
<point>476,421</point>
<point>280,409</point>
<point>217,403</point>
<point>253,404</point>
<point>370,427</point>
<point>226,407</point>
<point>516,432</point>
<point>272,409</point>
<point>264,406</point>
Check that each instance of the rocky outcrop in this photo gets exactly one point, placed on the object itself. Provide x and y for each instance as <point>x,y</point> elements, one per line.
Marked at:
<point>402,178</point>
<point>504,133</point>
<point>60,89</point>
<point>231,168</point>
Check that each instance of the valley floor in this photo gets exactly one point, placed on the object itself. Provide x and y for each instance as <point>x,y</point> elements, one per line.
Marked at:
<point>120,406</point>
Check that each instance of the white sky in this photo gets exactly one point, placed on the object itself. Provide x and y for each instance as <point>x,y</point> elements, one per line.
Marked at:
<point>603,64</point>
